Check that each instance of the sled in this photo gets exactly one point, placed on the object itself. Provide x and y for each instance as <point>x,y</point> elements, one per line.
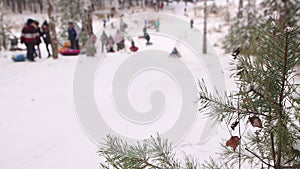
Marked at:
<point>175,55</point>
<point>18,58</point>
<point>133,49</point>
<point>17,49</point>
<point>70,52</point>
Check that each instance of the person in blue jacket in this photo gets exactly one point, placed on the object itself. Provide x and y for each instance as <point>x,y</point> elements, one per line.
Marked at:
<point>73,36</point>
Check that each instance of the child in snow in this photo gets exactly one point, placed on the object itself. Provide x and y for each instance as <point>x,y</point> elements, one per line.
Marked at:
<point>104,23</point>
<point>145,30</point>
<point>133,48</point>
<point>110,43</point>
<point>192,23</point>
<point>157,24</point>
<point>104,41</point>
<point>147,37</point>
<point>175,52</point>
<point>119,39</point>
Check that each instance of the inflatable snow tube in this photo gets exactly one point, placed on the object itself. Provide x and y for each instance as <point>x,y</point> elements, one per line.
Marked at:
<point>133,49</point>
<point>70,52</point>
<point>18,58</point>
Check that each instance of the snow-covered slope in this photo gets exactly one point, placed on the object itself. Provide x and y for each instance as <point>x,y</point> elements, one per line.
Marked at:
<point>39,128</point>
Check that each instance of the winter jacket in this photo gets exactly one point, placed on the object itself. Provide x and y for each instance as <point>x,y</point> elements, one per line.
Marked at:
<point>30,34</point>
<point>46,36</point>
<point>73,35</point>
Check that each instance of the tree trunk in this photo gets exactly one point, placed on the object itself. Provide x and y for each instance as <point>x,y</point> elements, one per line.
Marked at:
<point>24,4</point>
<point>123,4</point>
<point>130,3</point>
<point>54,41</point>
<point>205,28</point>
<point>71,8</point>
<point>143,4</point>
<point>19,3</point>
<point>240,11</point>
<point>41,5</point>
<point>30,5</point>
<point>34,6</point>
<point>2,31</point>
<point>13,6</point>
<point>87,28</point>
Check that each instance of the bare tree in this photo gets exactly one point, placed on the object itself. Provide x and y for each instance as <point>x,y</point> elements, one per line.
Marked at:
<point>54,41</point>
<point>41,5</point>
<point>24,4</point>
<point>13,5</point>
<point>19,4</point>
<point>205,28</point>
<point>2,32</point>
<point>240,12</point>
<point>30,6</point>
<point>8,2</point>
<point>87,28</point>
<point>34,6</point>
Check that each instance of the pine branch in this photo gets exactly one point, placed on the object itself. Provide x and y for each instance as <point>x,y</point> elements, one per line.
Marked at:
<point>154,153</point>
<point>228,108</point>
<point>258,157</point>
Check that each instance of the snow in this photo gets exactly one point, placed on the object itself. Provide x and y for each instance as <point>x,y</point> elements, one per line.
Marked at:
<point>39,124</point>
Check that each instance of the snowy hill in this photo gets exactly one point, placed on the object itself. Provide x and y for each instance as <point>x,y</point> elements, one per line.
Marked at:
<point>39,125</point>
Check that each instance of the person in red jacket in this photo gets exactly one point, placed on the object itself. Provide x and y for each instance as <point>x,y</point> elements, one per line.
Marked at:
<point>30,37</point>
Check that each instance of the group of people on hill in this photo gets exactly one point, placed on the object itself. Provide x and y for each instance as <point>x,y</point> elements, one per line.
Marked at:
<point>108,42</point>
<point>31,36</point>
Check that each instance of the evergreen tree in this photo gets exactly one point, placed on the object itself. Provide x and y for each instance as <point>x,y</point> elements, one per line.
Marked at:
<point>288,11</point>
<point>267,101</point>
<point>242,28</point>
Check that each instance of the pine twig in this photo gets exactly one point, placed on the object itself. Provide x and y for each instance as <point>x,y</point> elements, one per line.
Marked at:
<point>259,157</point>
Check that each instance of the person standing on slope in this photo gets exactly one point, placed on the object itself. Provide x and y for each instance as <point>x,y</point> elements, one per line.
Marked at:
<point>157,24</point>
<point>73,36</point>
<point>103,39</point>
<point>38,41</point>
<point>46,36</point>
<point>30,36</point>
<point>192,23</point>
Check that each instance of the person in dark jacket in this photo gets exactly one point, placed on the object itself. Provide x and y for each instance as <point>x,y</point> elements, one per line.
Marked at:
<point>30,36</point>
<point>38,41</point>
<point>192,23</point>
<point>73,36</point>
<point>46,36</point>
<point>147,37</point>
